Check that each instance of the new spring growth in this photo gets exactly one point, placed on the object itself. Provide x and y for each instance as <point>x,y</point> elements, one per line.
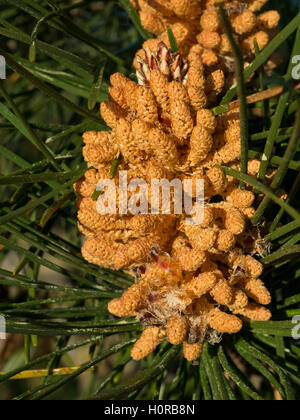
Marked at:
<point>196,27</point>
<point>193,282</point>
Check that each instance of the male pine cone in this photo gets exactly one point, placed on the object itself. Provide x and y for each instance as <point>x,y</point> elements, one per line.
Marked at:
<point>190,280</point>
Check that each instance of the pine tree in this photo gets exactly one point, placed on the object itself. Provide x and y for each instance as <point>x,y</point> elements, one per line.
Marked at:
<point>61,342</point>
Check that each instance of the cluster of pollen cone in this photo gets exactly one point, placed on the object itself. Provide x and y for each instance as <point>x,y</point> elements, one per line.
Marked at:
<point>192,282</point>
<point>196,26</point>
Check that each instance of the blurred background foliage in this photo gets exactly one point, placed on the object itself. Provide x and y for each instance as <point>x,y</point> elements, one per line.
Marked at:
<point>61,342</point>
